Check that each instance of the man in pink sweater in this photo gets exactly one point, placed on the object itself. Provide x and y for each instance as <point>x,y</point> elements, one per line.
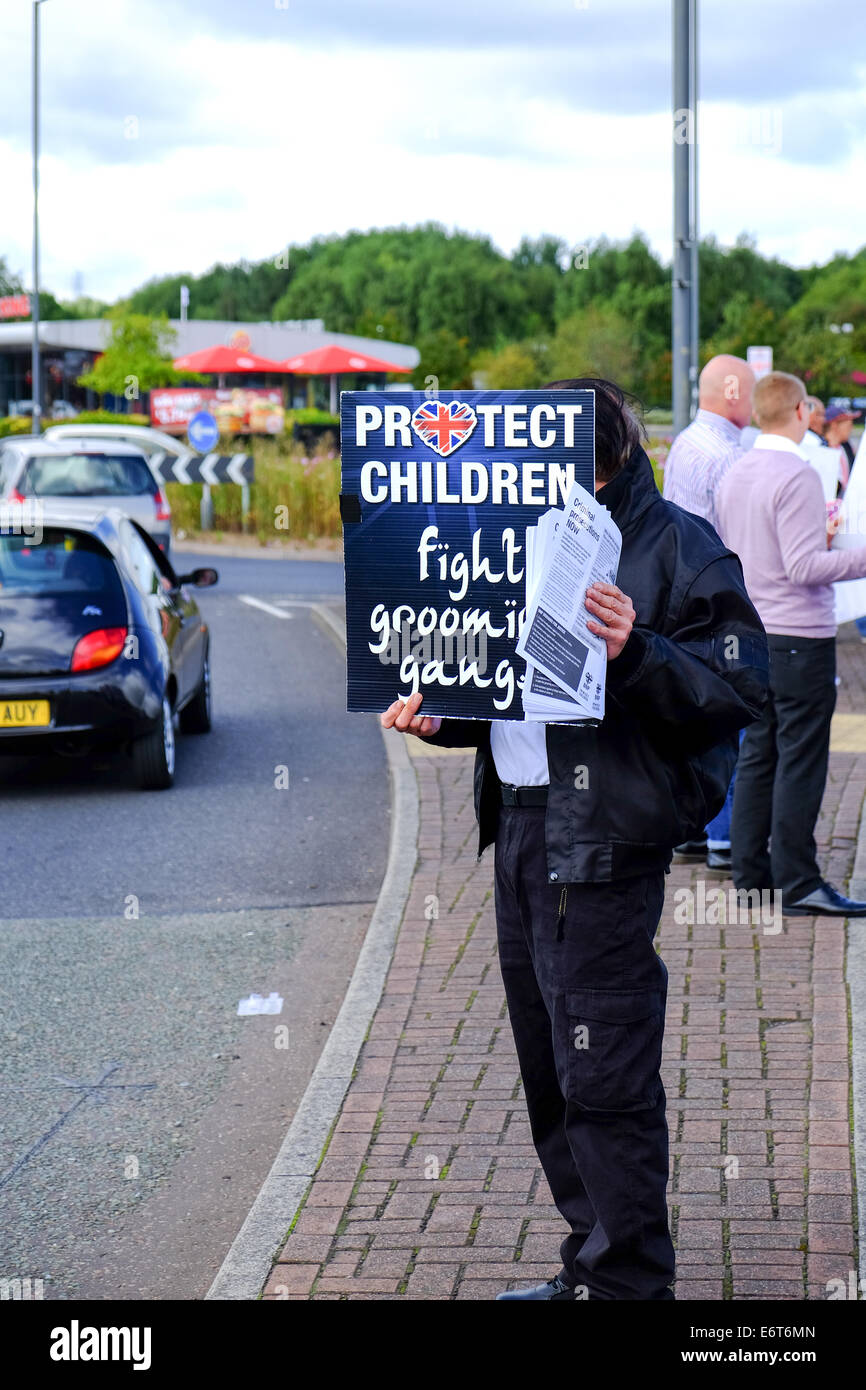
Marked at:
<point>771,512</point>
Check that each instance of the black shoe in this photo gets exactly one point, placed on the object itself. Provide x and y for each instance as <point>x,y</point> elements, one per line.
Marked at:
<point>825,901</point>
<point>719,860</point>
<point>555,1290</point>
<point>692,851</point>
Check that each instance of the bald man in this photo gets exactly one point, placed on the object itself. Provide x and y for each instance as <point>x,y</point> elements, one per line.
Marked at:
<point>702,454</point>
<point>698,461</point>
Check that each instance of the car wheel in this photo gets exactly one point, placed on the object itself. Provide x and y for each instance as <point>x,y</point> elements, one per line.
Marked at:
<point>153,755</point>
<point>196,716</point>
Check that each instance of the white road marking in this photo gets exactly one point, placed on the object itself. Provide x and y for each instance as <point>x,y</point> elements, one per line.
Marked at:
<point>265,607</point>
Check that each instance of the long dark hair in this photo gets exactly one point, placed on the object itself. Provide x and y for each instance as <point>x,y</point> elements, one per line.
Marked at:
<point>618,422</point>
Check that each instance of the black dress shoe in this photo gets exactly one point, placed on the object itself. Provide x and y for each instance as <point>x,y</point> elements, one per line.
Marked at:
<point>692,851</point>
<point>555,1290</point>
<point>720,860</point>
<point>825,901</point>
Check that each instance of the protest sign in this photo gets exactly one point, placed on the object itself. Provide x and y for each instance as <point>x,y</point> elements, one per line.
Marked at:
<point>437,493</point>
<point>850,594</point>
<point>760,359</point>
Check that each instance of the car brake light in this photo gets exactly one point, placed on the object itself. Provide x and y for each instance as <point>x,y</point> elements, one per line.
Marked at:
<point>98,648</point>
<point>16,496</point>
<point>163,510</point>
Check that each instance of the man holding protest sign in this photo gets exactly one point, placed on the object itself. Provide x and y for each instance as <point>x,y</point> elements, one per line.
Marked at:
<point>584,818</point>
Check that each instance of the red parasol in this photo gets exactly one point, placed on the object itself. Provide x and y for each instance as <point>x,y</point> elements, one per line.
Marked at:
<point>333,360</point>
<point>336,361</point>
<point>223,360</point>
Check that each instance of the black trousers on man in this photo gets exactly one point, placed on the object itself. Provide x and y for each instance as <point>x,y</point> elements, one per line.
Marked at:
<point>782,771</point>
<point>586,1001</point>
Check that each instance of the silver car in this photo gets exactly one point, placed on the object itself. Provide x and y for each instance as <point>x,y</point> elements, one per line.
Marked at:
<point>106,475</point>
<point>155,444</point>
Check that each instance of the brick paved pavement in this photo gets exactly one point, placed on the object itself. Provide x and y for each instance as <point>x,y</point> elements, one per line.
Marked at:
<point>430,1187</point>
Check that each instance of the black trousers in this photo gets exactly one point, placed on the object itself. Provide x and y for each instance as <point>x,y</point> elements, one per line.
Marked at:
<point>782,771</point>
<point>587,1012</point>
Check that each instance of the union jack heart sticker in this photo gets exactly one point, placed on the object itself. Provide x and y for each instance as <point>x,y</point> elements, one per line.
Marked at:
<point>444,427</point>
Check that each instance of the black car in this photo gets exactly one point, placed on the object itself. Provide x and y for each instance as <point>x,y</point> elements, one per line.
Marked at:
<point>101,643</point>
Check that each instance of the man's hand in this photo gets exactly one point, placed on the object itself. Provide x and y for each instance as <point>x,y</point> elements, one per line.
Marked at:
<point>406,717</point>
<point>615,615</point>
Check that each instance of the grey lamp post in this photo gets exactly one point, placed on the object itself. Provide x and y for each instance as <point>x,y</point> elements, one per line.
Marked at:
<point>36,365</point>
<point>685,257</point>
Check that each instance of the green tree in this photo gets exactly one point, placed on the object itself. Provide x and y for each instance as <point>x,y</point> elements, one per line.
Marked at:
<point>49,307</point>
<point>823,359</point>
<point>744,322</point>
<point>741,272</point>
<point>136,359</point>
<point>428,278</point>
<point>462,301</point>
<point>9,282</point>
<point>243,292</point>
<point>806,342</point>
<point>84,307</point>
<point>597,342</point>
<point>445,357</point>
<point>515,367</point>
<point>541,266</point>
<point>388,326</point>
<point>628,280</point>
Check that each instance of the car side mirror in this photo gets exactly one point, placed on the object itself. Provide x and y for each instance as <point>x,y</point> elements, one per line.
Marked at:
<point>201,579</point>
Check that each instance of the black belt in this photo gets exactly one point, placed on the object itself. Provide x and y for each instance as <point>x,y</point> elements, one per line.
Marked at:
<point>523,796</point>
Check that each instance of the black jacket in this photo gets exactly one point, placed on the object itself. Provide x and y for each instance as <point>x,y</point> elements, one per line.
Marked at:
<point>693,672</point>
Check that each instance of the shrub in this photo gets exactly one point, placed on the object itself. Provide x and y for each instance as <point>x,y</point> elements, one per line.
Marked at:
<point>105,417</point>
<point>304,482</point>
<point>15,424</point>
<point>310,415</point>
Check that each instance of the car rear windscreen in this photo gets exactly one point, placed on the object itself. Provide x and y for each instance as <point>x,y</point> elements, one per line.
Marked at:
<point>86,475</point>
<point>63,562</point>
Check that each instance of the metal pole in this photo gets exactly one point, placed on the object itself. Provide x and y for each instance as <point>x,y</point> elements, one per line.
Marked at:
<point>36,368</point>
<point>206,508</point>
<point>693,229</point>
<point>684,272</point>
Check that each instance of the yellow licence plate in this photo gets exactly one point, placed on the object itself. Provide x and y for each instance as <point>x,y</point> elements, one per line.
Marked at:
<point>24,714</point>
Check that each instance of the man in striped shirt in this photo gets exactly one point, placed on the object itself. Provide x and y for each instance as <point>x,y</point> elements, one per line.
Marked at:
<point>699,460</point>
<point>702,454</point>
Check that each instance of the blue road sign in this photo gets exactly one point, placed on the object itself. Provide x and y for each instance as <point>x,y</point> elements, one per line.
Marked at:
<point>203,431</point>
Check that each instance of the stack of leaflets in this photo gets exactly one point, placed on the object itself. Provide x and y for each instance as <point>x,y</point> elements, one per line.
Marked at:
<point>566,664</point>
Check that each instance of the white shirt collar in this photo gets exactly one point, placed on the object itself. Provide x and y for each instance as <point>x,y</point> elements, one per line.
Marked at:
<point>779,442</point>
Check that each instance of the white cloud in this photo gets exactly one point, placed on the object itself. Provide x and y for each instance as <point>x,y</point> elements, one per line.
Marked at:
<point>247,143</point>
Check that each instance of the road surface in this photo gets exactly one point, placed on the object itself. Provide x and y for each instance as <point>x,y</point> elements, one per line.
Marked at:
<point>139,1112</point>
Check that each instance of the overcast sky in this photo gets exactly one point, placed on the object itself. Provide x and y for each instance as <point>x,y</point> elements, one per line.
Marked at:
<point>176,133</point>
